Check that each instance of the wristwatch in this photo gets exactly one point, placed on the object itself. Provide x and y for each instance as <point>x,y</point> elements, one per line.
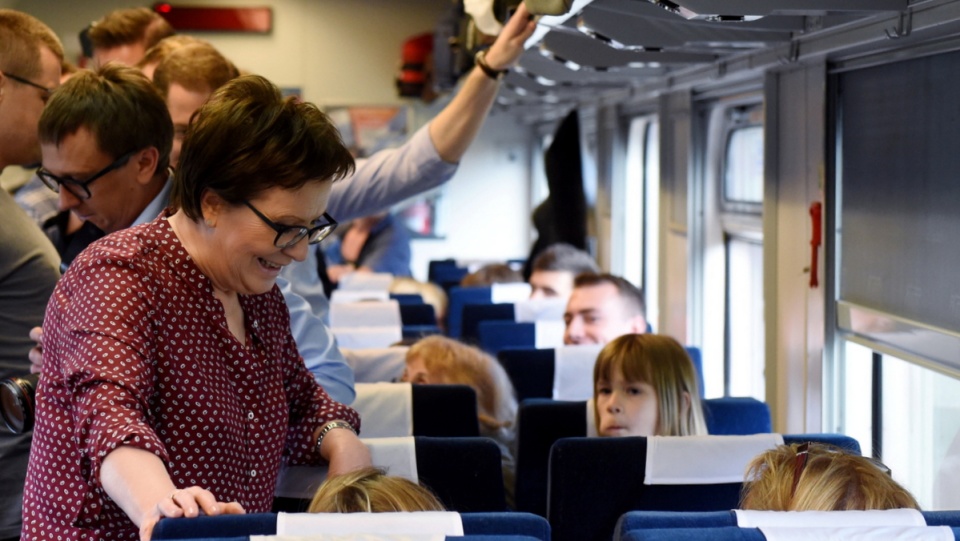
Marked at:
<point>481,61</point>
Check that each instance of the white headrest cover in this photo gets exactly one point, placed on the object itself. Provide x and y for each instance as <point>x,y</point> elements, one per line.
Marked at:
<point>703,460</point>
<point>386,409</point>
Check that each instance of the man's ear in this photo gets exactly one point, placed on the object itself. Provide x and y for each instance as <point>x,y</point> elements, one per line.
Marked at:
<point>147,161</point>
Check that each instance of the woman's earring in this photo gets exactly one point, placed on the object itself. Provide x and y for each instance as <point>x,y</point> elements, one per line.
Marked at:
<point>209,222</point>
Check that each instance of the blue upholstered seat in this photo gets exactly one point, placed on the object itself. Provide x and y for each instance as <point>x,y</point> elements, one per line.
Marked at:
<point>460,297</point>
<point>603,478</point>
<point>473,314</point>
<point>497,335</point>
<point>541,422</point>
<point>650,520</point>
<point>476,527</point>
<point>446,273</point>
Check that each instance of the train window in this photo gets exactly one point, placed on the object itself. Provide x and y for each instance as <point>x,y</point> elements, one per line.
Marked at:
<point>743,171</point>
<point>637,212</point>
<point>917,425</point>
<point>745,328</point>
<point>732,319</point>
<point>651,229</point>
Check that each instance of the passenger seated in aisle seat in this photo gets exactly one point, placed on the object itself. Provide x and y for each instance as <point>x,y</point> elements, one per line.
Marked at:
<point>646,385</point>
<point>371,490</point>
<point>820,477</point>
<point>441,360</point>
<point>554,270</point>
<point>494,273</point>
<point>601,308</point>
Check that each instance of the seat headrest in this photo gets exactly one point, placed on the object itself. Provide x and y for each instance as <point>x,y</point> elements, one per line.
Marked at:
<point>703,460</point>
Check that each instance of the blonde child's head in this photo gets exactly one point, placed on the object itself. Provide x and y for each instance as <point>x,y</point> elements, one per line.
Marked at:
<point>820,477</point>
<point>370,490</point>
<point>646,385</point>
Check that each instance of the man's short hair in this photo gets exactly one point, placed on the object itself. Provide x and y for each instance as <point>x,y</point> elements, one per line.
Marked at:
<point>118,104</point>
<point>197,67</point>
<point>565,258</point>
<point>126,26</point>
<point>155,54</point>
<point>21,37</point>
<point>631,295</point>
<point>247,139</point>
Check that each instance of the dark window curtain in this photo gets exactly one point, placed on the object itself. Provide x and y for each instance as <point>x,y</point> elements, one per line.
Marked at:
<point>899,172</point>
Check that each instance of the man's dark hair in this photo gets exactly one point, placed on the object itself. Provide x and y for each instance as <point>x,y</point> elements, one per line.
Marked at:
<point>120,107</point>
<point>631,295</point>
<point>564,257</point>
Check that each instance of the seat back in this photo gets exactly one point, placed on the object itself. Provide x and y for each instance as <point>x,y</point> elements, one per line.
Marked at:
<point>541,422</point>
<point>530,370</point>
<point>366,324</point>
<point>648,520</point>
<point>433,410</point>
<point>497,524</point>
<point>465,473</point>
<point>417,314</point>
<point>603,478</point>
<point>407,298</point>
<point>473,314</point>
<point>445,411</point>
<point>732,415</point>
<point>496,335</point>
<point>446,273</point>
<point>419,320</point>
<point>460,297</point>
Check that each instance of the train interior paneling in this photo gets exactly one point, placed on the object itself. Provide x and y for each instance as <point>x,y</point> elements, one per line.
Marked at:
<point>778,176</point>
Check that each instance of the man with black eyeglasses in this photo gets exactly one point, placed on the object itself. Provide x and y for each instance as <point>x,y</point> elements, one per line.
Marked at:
<point>30,56</point>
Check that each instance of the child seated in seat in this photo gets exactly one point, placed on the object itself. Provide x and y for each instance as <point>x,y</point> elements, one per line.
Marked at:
<point>371,490</point>
<point>820,477</point>
<point>646,385</point>
<point>441,360</point>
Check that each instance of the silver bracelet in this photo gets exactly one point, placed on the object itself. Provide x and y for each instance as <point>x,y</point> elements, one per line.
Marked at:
<point>331,426</point>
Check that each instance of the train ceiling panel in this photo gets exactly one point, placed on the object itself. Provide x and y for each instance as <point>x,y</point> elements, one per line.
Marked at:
<point>604,48</point>
<point>744,10</point>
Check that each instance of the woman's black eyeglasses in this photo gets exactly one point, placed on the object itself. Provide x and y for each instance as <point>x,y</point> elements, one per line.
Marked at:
<point>288,235</point>
<point>80,189</point>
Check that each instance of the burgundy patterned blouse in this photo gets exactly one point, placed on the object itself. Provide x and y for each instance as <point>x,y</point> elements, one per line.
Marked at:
<point>137,352</point>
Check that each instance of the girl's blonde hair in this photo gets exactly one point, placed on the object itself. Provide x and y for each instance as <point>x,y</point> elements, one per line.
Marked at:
<point>370,490</point>
<point>451,362</point>
<point>827,479</point>
<point>661,362</point>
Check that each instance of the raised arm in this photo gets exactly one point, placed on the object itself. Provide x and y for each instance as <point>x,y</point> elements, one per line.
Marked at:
<point>454,128</point>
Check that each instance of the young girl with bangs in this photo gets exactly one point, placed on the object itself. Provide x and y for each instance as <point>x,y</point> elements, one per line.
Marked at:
<point>646,385</point>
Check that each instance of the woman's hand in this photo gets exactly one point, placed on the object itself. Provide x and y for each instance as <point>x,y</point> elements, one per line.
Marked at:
<point>186,502</point>
<point>344,452</point>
